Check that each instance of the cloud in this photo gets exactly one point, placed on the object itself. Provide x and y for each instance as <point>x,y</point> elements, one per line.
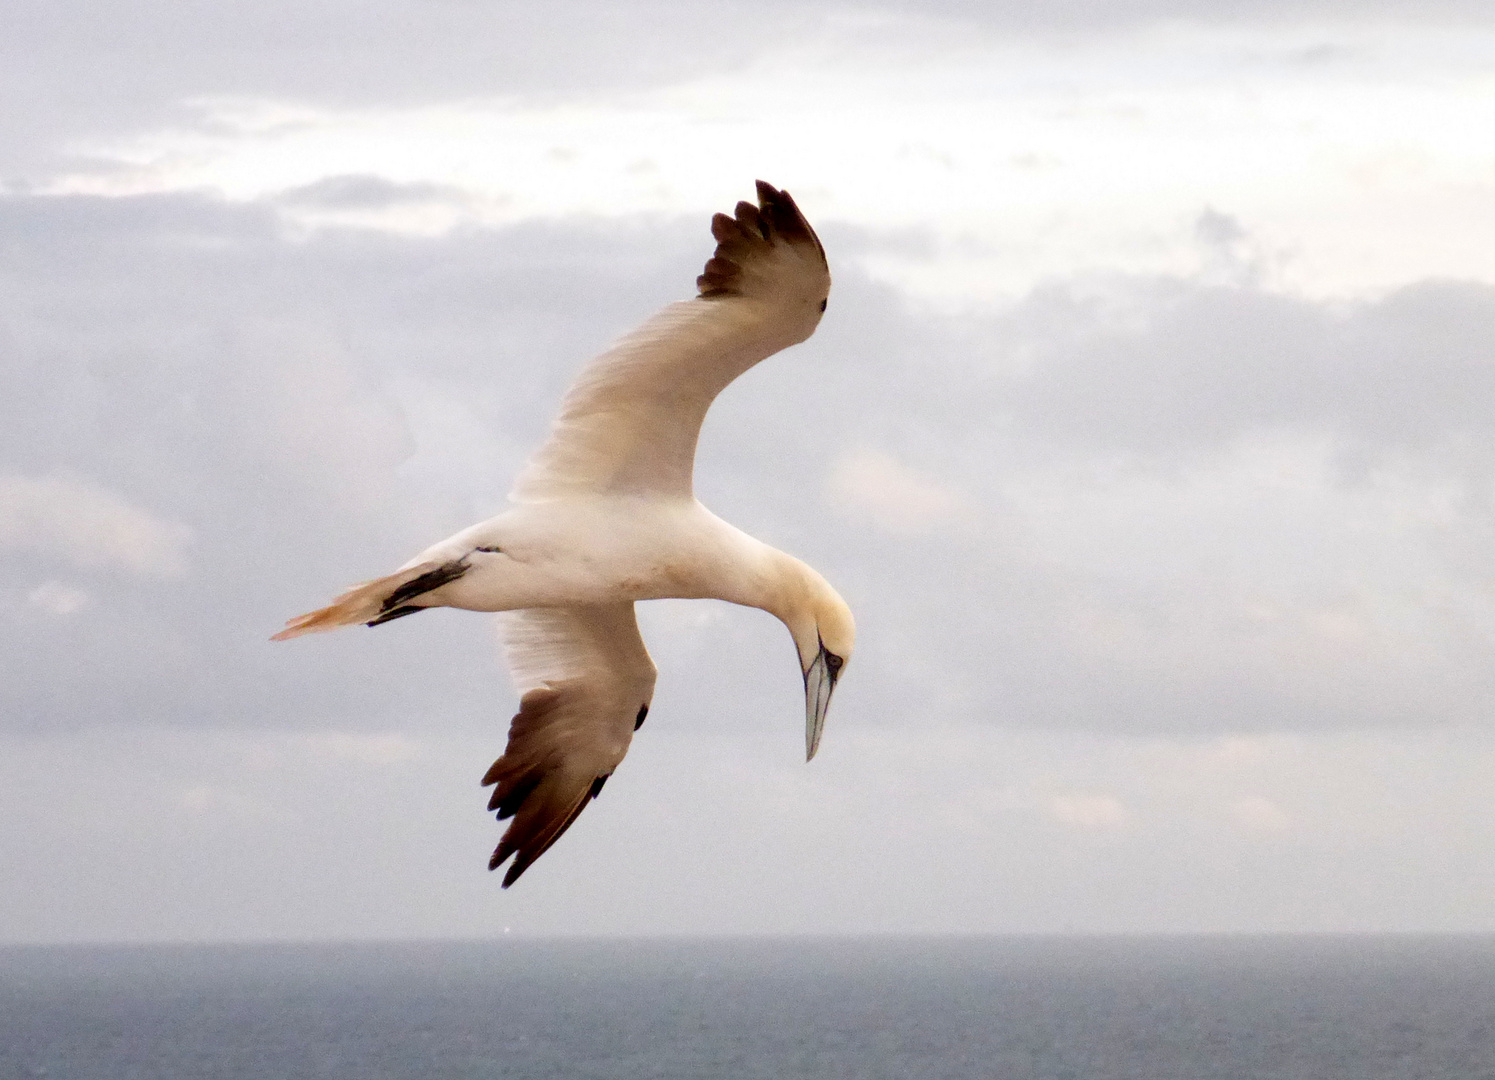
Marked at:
<point>1254,813</point>
<point>1094,812</point>
<point>1081,17</point>
<point>306,412</point>
<point>209,834</point>
<point>142,69</point>
<point>1158,366</point>
<point>872,484</point>
<point>1210,590</point>
<point>874,117</point>
<point>360,191</point>
<point>369,201</point>
<point>89,526</point>
<point>1121,504</point>
<point>1172,581</point>
<point>57,598</point>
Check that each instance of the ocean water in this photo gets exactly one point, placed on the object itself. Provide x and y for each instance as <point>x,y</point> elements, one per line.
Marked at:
<point>1284,1008</point>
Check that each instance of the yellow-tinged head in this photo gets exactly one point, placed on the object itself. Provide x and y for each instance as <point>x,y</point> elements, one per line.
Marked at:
<point>824,634</point>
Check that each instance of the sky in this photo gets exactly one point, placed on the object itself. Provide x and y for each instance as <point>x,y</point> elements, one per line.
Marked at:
<point>1150,435</point>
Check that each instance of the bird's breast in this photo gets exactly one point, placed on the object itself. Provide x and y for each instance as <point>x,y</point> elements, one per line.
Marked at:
<point>605,550</point>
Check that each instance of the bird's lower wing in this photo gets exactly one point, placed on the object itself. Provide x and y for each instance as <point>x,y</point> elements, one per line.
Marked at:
<point>629,423</point>
<point>585,681</point>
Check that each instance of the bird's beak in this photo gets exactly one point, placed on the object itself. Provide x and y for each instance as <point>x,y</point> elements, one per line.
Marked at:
<point>820,680</point>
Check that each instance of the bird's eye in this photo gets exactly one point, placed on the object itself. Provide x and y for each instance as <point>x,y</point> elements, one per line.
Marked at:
<point>823,303</point>
<point>833,662</point>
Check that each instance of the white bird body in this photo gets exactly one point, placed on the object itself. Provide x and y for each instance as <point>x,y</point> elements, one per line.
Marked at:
<point>583,551</point>
<point>604,515</point>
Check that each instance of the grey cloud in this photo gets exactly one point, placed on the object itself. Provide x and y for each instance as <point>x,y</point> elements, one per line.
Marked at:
<point>1091,16</point>
<point>1216,608</point>
<point>315,410</point>
<point>79,71</point>
<point>1154,366</point>
<point>89,525</point>
<point>365,192</point>
<point>87,70</point>
<point>184,357</point>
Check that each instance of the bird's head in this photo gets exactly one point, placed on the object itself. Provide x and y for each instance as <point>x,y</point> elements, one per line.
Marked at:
<point>824,634</point>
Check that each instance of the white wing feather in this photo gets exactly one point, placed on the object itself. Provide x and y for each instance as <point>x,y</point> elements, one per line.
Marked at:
<point>630,421</point>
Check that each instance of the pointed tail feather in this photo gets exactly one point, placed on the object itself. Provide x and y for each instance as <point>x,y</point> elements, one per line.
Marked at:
<point>360,604</point>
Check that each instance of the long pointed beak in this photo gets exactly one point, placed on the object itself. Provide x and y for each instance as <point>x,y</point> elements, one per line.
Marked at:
<point>820,681</point>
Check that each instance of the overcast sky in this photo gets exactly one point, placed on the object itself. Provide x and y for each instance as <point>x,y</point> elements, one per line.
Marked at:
<point>1150,435</point>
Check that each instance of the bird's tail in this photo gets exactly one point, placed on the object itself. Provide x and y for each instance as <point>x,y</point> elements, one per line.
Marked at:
<point>373,601</point>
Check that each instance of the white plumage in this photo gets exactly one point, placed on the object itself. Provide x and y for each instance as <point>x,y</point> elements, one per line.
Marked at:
<point>605,515</point>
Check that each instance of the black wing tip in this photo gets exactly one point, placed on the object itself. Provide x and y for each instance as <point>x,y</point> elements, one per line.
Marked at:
<point>522,861</point>
<point>515,872</point>
<point>786,217</point>
<point>776,217</point>
<point>523,847</point>
<point>508,798</point>
<point>394,613</point>
<point>516,868</point>
<point>395,606</point>
<point>775,200</point>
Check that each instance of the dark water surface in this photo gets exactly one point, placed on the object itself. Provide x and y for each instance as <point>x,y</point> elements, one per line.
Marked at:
<point>1349,1008</point>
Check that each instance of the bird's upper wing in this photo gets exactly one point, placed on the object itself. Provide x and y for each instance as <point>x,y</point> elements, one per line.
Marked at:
<point>629,423</point>
<point>585,681</point>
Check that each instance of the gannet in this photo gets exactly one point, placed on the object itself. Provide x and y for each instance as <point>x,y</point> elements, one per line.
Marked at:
<point>605,515</point>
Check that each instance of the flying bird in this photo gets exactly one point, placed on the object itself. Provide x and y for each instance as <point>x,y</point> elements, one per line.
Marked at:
<point>605,515</point>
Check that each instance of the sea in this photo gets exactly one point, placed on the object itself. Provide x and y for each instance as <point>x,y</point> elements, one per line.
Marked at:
<point>876,1008</point>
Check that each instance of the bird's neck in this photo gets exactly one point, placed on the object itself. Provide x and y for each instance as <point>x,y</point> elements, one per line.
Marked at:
<point>793,592</point>
<point>756,575</point>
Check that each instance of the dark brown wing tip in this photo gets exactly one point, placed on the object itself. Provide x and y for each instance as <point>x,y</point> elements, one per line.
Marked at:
<point>776,217</point>
<point>784,215</point>
<point>527,841</point>
<point>529,789</point>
